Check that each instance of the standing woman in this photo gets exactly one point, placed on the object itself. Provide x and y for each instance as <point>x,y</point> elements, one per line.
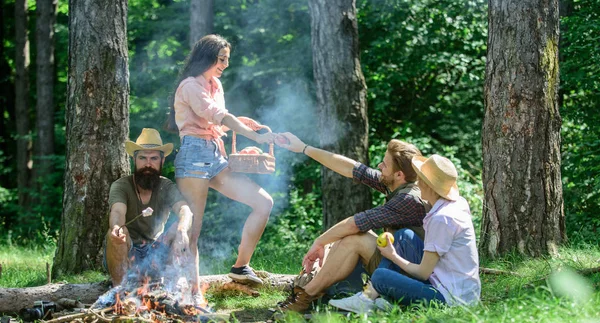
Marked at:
<point>198,112</point>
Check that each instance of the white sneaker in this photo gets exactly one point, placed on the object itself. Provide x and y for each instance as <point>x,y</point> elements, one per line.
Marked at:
<point>357,303</point>
<point>382,304</point>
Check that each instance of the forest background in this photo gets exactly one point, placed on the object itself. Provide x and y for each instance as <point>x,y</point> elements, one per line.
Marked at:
<point>424,65</point>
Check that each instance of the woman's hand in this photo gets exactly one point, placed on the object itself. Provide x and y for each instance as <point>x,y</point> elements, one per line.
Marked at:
<point>388,251</point>
<point>266,138</point>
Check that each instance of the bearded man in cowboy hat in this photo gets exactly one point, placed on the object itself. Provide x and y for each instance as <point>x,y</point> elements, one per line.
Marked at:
<point>343,250</point>
<point>139,208</point>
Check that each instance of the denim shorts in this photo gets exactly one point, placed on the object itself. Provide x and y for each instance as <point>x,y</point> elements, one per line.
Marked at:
<point>199,158</point>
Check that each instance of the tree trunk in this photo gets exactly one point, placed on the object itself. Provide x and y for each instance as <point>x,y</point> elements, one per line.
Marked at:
<point>13,299</point>
<point>46,16</point>
<point>7,102</point>
<point>521,131</point>
<point>22,102</point>
<point>97,120</point>
<point>201,19</point>
<point>341,96</point>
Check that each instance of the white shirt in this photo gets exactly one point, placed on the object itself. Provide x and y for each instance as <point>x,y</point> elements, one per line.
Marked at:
<point>449,232</point>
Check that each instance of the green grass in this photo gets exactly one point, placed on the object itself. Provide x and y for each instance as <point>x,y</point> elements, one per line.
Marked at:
<point>535,294</point>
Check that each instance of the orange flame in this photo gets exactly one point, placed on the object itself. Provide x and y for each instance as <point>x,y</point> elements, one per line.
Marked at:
<point>143,290</point>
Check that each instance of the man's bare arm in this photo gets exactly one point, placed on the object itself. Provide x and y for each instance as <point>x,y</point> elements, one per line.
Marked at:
<point>117,215</point>
<point>338,163</point>
<point>337,232</point>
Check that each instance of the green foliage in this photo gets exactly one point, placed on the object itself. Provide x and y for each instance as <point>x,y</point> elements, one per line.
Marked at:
<point>24,266</point>
<point>580,90</point>
<point>424,63</point>
<point>301,222</point>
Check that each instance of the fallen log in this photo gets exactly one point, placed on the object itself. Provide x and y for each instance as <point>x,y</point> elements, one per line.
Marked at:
<point>12,300</point>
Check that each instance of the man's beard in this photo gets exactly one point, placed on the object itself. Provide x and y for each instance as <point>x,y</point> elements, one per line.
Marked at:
<point>147,178</point>
<point>387,181</point>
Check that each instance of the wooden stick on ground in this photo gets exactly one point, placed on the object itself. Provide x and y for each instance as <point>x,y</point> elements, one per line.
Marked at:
<point>491,271</point>
<point>72,317</point>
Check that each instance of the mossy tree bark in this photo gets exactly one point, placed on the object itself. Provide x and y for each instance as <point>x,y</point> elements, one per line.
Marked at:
<point>97,121</point>
<point>521,131</point>
<point>342,104</point>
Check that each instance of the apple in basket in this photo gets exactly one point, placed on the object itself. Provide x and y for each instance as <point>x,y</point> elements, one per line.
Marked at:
<point>251,151</point>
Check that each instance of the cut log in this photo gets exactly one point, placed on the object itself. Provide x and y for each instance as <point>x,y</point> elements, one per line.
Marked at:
<point>14,299</point>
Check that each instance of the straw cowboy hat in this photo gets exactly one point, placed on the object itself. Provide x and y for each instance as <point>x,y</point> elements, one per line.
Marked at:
<point>439,173</point>
<point>149,139</point>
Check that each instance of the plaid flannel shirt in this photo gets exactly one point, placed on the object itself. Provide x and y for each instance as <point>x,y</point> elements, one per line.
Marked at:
<point>400,210</point>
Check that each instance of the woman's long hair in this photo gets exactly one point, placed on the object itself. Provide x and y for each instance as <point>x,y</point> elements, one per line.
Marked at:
<point>203,56</point>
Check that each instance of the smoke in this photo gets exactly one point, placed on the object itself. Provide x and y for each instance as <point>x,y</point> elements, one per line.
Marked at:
<point>270,80</point>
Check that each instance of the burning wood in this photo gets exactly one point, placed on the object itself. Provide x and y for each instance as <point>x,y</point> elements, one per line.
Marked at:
<point>155,301</point>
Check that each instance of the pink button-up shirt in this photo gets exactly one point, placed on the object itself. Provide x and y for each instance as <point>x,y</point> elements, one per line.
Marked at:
<point>200,107</point>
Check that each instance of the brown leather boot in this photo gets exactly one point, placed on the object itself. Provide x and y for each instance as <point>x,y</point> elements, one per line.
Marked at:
<point>298,301</point>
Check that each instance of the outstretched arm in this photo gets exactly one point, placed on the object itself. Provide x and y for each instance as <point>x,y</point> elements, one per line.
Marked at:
<point>233,123</point>
<point>338,163</point>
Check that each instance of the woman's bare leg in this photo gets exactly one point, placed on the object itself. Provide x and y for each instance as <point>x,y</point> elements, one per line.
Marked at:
<point>242,189</point>
<point>195,191</point>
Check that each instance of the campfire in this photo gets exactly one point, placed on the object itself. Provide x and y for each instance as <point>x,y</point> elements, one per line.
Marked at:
<point>153,301</point>
<point>156,290</point>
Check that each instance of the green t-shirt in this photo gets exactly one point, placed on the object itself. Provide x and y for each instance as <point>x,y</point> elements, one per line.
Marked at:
<point>145,229</point>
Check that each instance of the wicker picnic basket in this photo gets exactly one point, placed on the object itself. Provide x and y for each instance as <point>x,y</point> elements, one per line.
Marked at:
<point>251,163</point>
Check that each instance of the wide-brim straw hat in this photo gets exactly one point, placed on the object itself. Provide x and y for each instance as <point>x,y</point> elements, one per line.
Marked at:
<point>439,173</point>
<point>149,139</point>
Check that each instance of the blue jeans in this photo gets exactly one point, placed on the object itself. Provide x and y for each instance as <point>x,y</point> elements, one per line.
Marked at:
<point>394,284</point>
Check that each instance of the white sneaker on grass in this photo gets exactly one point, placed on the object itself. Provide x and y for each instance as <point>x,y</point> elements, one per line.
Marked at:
<point>382,304</point>
<point>357,303</point>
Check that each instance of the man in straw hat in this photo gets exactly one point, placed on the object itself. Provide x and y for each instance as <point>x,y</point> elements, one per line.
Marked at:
<point>139,208</point>
<point>354,242</point>
<point>448,270</point>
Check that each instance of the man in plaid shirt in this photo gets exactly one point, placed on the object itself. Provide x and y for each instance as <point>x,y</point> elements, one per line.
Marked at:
<point>353,237</point>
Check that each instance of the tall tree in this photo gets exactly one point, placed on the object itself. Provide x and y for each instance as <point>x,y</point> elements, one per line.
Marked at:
<point>201,19</point>
<point>6,95</point>
<point>44,148</point>
<point>342,105</point>
<point>521,130</point>
<point>97,121</point>
<point>22,101</point>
